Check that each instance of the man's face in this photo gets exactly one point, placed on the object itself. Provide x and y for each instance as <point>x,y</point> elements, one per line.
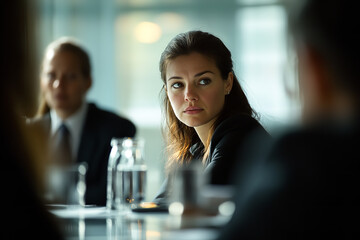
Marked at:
<point>63,84</point>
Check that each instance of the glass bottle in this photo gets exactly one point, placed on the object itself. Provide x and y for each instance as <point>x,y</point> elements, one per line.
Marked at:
<point>130,174</point>
<point>114,161</point>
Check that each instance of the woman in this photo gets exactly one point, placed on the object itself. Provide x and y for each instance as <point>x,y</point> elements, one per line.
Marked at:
<point>208,116</point>
<point>21,177</point>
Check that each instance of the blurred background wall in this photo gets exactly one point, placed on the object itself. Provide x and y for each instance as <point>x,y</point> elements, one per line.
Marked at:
<point>125,39</point>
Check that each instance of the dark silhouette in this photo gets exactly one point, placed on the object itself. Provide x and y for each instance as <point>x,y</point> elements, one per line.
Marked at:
<point>304,184</point>
<point>23,215</point>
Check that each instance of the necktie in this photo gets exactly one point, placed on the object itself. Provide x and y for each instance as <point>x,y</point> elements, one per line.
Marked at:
<point>62,148</point>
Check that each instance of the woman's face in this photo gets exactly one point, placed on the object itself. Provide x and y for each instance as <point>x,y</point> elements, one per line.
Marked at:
<point>63,84</point>
<point>196,89</point>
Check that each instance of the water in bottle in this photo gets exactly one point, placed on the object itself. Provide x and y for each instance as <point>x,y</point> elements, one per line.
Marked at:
<point>126,174</point>
<point>131,174</point>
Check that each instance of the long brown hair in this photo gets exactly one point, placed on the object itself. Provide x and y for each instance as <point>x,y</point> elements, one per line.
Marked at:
<point>22,150</point>
<point>64,44</point>
<point>179,137</point>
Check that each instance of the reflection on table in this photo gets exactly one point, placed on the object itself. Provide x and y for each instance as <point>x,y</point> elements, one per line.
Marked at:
<point>100,223</point>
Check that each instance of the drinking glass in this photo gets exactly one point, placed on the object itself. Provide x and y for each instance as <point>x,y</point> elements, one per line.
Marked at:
<point>66,185</point>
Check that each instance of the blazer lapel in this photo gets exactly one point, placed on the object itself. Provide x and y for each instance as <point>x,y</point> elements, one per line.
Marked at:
<point>88,140</point>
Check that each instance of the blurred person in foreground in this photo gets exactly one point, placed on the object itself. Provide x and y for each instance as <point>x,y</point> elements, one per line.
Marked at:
<point>21,178</point>
<point>207,113</point>
<point>306,183</point>
<point>65,80</point>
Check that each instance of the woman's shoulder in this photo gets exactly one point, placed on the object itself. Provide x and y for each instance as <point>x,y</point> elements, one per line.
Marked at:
<point>236,131</point>
<point>239,124</point>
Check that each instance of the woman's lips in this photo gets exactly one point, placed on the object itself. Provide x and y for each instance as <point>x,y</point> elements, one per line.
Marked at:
<point>193,110</point>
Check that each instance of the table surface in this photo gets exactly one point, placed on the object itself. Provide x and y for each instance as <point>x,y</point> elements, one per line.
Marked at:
<point>100,223</point>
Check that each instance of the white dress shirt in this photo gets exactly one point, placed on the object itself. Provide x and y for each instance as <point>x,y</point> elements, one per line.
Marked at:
<point>75,125</point>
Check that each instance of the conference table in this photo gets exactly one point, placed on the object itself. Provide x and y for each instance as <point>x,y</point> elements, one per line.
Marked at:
<point>101,223</point>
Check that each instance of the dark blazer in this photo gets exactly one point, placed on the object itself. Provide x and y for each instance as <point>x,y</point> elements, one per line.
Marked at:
<point>226,141</point>
<point>304,185</point>
<point>94,148</point>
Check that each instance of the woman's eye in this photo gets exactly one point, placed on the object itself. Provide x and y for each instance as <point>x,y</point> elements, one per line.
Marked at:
<point>176,85</point>
<point>204,81</point>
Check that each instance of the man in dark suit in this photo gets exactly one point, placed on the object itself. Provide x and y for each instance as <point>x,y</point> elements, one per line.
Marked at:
<point>65,80</point>
<point>305,183</point>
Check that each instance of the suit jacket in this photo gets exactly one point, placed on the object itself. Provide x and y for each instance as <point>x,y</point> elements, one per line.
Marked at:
<point>99,128</point>
<point>227,140</point>
<point>305,184</point>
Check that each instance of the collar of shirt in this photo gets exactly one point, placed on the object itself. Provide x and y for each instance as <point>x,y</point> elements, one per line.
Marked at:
<point>74,123</point>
